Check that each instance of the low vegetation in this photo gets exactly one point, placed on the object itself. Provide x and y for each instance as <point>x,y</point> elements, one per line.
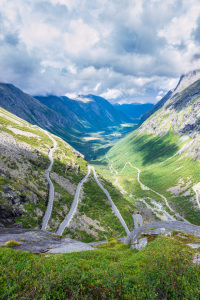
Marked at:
<point>112,271</point>
<point>102,223</point>
<point>12,243</point>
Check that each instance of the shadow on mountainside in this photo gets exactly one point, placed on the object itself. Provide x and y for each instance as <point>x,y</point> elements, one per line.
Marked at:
<point>156,149</point>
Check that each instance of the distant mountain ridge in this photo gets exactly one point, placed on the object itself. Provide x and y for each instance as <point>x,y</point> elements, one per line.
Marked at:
<point>33,111</point>
<point>88,112</point>
<point>134,110</point>
<point>69,119</point>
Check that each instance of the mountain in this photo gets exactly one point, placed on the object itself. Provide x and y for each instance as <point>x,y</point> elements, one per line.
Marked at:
<point>184,81</point>
<point>155,170</point>
<point>156,107</point>
<point>134,110</point>
<point>33,111</point>
<point>73,120</point>
<point>24,159</point>
<point>89,113</point>
<point>159,163</point>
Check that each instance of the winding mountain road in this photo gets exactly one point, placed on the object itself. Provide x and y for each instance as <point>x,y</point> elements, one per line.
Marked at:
<point>120,187</point>
<point>72,211</point>
<point>144,187</point>
<point>115,210</point>
<point>171,225</point>
<point>51,187</point>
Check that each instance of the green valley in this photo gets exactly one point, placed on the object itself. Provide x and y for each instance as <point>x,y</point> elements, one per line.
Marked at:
<point>157,166</point>
<point>24,190</point>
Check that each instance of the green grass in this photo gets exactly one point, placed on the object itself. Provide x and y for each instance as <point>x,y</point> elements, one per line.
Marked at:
<point>96,206</point>
<point>147,152</point>
<point>26,174</point>
<point>110,272</point>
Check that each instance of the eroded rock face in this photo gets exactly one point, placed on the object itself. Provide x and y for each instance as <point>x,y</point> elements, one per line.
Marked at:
<point>184,82</point>
<point>180,114</point>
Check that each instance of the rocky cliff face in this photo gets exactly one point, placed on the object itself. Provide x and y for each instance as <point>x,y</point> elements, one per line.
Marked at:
<point>179,113</point>
<point>184,82</point>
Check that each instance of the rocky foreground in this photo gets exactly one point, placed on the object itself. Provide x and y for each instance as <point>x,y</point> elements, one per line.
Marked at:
<point>40,241</point>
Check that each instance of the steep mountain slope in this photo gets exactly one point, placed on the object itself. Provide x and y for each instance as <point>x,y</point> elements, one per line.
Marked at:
<point>156,107</point>
<point>184,81</point>
<point>90,113</point>
<point>87,123</point>
<point>34,112</point>
<point>159,164</point>
<point>24,189</point>
<point>134,111</point>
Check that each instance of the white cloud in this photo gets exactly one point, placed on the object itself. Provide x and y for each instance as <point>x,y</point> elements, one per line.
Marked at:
<point>68,3</point>
<point>80,37</point>
<point>112,94</point>
<point>158,98</point>
<point>131,50</point>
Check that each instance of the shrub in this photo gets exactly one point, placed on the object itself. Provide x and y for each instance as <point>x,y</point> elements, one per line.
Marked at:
<point>12,243</point>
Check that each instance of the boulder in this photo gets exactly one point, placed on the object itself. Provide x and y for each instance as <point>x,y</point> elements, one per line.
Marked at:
<point>194,246</point>
<point>157,231</point>
<point>16,225</point>
<point>139,244</point>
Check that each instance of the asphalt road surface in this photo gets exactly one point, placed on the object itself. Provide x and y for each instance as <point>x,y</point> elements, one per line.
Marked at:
<point>72,211</point>
<point>115,210</point>
<point>172,225</point>
<point>51,187</point>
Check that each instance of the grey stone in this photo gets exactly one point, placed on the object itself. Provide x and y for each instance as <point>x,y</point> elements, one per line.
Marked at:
<point>196,259</point>
<point>71,247</point>
<point>182,236</point>
<point>38,241</point>
<point>194,246</point>
<point>140,244</point>
<point>156,232</point>
<point>17,225</point>
<point>171,225</point>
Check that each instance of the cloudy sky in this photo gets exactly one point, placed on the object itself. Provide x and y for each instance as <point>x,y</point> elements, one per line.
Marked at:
<point>123,50</point>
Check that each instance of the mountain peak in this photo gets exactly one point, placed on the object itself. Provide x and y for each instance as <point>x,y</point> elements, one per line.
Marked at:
<point>187,79</point>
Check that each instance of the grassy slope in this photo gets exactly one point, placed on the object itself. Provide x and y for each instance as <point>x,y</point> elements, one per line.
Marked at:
<point>27,179</point>
<point>146,152</point>
<point>96,206</point>
<point>110,272</point>
<point>33,177</point>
